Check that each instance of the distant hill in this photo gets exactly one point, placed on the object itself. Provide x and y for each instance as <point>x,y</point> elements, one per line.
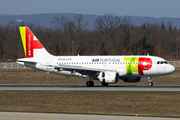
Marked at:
<point>45,19</point>
<point>3,14</point>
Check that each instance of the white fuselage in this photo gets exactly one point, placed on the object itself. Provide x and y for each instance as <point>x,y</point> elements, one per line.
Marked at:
<point>112,63</point>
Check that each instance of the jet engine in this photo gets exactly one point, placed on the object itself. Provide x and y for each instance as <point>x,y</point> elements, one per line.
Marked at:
<point>131,79</point>
<point>109,77</point>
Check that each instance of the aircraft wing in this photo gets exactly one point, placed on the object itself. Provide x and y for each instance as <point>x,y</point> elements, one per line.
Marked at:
<point>77,68</point>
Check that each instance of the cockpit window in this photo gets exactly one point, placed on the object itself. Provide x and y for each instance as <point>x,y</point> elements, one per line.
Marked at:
<point>162,62</point>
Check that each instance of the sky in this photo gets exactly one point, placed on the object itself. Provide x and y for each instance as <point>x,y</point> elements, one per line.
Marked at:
<point>142,8</point>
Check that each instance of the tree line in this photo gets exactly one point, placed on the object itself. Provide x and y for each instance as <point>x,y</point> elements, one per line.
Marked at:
<point>112,35</point>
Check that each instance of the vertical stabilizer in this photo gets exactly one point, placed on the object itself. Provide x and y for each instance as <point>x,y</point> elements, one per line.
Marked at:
<point>32,46</point>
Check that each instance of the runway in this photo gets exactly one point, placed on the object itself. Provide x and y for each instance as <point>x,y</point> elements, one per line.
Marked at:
<point>85,88</point>
<point>51,116</point>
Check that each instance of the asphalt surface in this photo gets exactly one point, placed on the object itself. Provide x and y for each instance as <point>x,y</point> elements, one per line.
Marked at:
<point>48,116</point>
<point>85,88</point>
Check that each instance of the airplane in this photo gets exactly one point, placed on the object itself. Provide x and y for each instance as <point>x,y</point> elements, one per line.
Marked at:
<point>106,69</point>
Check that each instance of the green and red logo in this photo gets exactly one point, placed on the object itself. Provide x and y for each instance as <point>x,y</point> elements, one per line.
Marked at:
<point>136,65</point>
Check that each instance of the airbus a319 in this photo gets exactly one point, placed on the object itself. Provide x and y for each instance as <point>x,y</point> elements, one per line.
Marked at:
<point>106,69</point>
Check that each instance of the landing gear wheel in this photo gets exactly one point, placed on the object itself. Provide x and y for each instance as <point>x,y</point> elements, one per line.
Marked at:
<point>104,84</point>
<point>90,83</point>
<point>150,84</point>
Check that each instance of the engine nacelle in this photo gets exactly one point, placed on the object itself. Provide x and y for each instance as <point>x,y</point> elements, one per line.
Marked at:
<point>131,79</point>
<point>108,77</point>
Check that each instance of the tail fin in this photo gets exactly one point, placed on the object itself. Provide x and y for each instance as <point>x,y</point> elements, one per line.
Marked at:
<point>32,46</point>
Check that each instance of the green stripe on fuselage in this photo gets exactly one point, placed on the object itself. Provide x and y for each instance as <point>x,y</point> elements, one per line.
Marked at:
<point>132,65</point>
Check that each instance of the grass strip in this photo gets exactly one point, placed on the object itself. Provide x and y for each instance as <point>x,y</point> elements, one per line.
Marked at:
<point>29,77</point>
<point>116,103</point>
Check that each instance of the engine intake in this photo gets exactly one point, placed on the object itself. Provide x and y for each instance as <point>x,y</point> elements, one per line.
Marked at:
<point>108,77</point>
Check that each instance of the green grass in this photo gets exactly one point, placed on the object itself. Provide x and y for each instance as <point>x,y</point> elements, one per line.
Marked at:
<point>117,103</point>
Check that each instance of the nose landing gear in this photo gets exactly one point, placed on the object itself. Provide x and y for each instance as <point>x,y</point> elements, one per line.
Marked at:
<point>150,83</point>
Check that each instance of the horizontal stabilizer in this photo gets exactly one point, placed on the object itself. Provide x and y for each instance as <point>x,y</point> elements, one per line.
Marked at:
<point>27,60</point>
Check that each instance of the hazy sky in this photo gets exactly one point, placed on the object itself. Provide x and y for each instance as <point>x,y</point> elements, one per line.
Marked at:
<point>150,8</point>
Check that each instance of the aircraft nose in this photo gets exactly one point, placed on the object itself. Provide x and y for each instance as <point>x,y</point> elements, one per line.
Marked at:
<point>171,69</point>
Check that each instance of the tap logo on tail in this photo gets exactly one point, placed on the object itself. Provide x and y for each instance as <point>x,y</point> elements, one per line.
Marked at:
<point>30,42</point>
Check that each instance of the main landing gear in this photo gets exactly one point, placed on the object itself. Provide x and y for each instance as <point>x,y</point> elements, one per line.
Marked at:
<point>150,83</point>
<point>90,83</point>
